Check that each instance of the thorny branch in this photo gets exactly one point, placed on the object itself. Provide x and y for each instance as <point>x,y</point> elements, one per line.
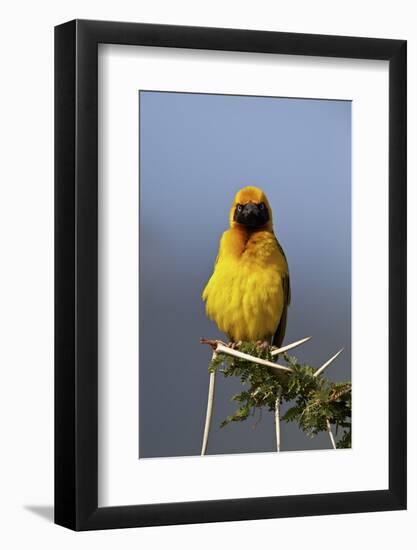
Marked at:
<point>318,403</point>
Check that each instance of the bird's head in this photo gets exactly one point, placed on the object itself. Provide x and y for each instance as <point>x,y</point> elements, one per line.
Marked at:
<point>251,210</point>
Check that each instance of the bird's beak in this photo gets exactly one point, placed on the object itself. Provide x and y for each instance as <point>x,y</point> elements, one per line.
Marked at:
<point>251,216</point>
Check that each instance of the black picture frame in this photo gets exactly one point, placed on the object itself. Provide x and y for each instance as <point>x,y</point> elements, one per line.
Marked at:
<point>76,272</point>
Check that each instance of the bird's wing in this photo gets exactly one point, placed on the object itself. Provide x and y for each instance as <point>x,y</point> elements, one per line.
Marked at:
<point>285,281</point>
<point>280,332</point>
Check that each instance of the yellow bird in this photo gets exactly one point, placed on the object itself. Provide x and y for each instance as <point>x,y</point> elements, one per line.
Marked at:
<point>248,293</point>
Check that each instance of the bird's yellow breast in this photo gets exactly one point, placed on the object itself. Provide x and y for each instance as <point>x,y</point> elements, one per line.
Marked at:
<point>245,294</point>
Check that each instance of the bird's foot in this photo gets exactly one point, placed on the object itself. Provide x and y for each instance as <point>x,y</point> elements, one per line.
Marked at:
<point>262,344</point>
<point>233,345</point>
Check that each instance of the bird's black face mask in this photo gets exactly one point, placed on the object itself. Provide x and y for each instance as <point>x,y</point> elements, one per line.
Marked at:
<point>251,215</point>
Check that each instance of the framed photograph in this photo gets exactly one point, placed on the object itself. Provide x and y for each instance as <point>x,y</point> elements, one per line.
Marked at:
<point>230,255</point>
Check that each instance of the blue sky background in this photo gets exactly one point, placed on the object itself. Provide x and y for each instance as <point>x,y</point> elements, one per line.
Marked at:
<point>196,151</point>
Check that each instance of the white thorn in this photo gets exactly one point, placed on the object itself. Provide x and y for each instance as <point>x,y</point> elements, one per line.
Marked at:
<point>277,421</point>
<point>327,363</point>
<point>209,412</point>
<point>329,431</point>
<point>234,353</point>
<point>290,346</point>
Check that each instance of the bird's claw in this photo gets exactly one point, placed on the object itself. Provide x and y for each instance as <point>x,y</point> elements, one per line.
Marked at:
<point>262,344</point>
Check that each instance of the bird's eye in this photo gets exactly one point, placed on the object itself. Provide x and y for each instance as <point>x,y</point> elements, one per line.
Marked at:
<point>239,208</point>
<point>261,206</point>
